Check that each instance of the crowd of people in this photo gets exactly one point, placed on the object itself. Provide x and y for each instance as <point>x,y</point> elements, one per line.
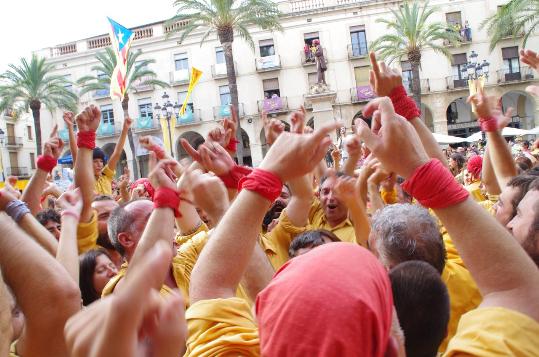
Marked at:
<point>399,249</point>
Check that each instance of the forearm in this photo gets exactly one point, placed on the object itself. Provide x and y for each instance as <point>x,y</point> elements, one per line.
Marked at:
<point>73,144</point>
<point>32,192</point>
<point>189,218</point>
<point>350,165</point>
<point>488,177</point>
<point>320,170</point>
<point>429,143</point>
<point>223,261</point>
<point>124,195</point>
<point>258,274</point>
<point>39,233</point>
<point>501,158</point>
<point>113,160</point>
<point>337,165</point>
<point>362,227</point>
<point>67,254</point>
<point>374,196</point>
<point>85,181</point>
<point>301,201</point>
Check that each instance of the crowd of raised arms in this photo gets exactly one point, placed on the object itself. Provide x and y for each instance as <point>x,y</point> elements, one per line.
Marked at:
<point>402,249</point>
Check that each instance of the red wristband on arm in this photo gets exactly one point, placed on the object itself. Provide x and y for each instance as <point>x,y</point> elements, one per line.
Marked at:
<point>165,197</point>
<point>263,182</point>
<point>159,152</point>
<point>404,105</point>
<point>86,139</point>
<point>488,124</point>
<point>232,145</point>
<point>232,179</point>
<point>434,186</point>
<point>46,163</point>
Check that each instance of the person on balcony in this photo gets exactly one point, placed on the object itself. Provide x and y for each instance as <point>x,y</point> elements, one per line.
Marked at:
<point>321,65</point>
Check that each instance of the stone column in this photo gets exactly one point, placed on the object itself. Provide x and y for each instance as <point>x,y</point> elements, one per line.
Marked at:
<point>323,109</point>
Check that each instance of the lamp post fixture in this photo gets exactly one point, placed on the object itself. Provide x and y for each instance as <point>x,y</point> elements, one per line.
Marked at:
<point>477,76</point>
<point>2,137</point>
<point>167,110</point>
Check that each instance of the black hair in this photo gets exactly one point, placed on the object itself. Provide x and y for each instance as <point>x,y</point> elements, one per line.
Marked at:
<point>98,153</point>
<point>48,215</point>
<point>87,263</point>
<point>310,239</point>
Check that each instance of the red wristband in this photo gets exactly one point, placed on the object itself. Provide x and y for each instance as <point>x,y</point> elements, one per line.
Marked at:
<point>165,197</point>
<point>232,179</point>
<point>263,182</point>
<point>232,145</point>
<point>488,124</point>
<point>404,105</point>
<point>86,139</point>
<point>159,152</point>
<point>46,163</point>
<point>434,186</point>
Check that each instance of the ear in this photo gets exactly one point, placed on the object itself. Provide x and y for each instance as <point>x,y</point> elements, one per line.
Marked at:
<point>126,240</point>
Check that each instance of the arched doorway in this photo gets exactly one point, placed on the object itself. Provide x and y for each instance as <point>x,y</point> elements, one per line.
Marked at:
<point>122,163</point>
<point>194,138</point>
<point>247,159</point>
<point>460,119</point>
<point>143,156</point>
<point>264,144</point>
<point>523,106</point>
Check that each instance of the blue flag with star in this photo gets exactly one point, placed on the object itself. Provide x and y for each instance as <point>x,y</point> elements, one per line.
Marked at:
<point>120,38</point>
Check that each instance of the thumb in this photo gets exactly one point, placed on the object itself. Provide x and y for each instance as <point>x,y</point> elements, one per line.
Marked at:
<point>366,135</point>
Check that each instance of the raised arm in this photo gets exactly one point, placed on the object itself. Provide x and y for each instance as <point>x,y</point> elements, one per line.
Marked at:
<point>353,147</point>
<point>115,157</point>
<point>224,260</point>
<point>69,120</point>
<point>488,177</point>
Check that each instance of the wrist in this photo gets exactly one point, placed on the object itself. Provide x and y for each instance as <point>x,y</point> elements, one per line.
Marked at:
<point>403,104</point>
<point>70,215</point>
<point>165,197</point>
<point>263,182</point>
<point>16,210</point>
<point>46,163</point>
<point>488,124</point>
<point>233,177</point>
<point>86,140</point>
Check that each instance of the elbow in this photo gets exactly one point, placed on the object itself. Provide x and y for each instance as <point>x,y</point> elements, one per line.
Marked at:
<point>64,300</point>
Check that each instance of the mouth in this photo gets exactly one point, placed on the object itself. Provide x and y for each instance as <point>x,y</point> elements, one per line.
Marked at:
<point>331,206</point>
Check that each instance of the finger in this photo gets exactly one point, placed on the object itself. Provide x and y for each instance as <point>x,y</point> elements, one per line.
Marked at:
<point>374,65</point>
<point>190,150</point>
<point>319,134</point>
<point>376,122</point>
<point>302,109</point>
<point>367,136</point>
<point>54,131</point>
<point>169,336</point>
<point>372,79</point>
<point>383,67</point>
<point>152,161</point>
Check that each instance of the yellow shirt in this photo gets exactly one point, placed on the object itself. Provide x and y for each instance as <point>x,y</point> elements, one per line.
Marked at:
<point>389,197</point>
<point>475,191</point>
<point>13,349</point>
<point>221,327</point>
<point>87,234</point>
<point>317,220</point>
<point>181,239</point>
<point>103,184</point>
<point>489,203</point>
<point>495,331</point>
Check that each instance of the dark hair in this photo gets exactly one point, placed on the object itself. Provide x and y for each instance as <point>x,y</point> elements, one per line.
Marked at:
<point>310,239</point>
<point>325,177</point>
<point>103,198</point>
<point>460,159</point>
<point>98,153</point>
<point>422,303</point>
<point>523,163</point>
<point>522,183</point>
<point>534,171</point>
<point>87,263</point>
<point>48,215</point>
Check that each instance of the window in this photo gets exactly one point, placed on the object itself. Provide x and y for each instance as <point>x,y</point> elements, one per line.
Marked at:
<point>406,75</point>
<point>511,62</point>
<point>453,19</point>
<point>359,41</point>
<point>224,95</point>
<point>33,161</point>
<point>310,37</point>
<point>145,108</point>
<point>29,131</point>
<point>181,99</point>
<point>68,86</point>
<point>271,87</point>
<point>460,62</point>
<point>362,76</point>
<point>181,62</point>
<point>219,55</point>
<point>107,114</point>
<point>266,48</point>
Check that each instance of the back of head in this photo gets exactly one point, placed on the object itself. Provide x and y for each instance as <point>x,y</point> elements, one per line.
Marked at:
<point>403,232</point>
<point>120,220</point>
<point>48,215</point>
<point>475,166</point>
<point>311,239</point>
<point>523,163</point>
<point>422,303</point>
<point>335,301</point>
<point>459,159</point>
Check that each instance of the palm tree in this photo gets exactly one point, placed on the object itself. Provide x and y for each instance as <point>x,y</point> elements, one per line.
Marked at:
<point>411,33</point>
<point>137,72</point>
<point>228,17</point>
<point>29,85</point>
<point>515,18</point>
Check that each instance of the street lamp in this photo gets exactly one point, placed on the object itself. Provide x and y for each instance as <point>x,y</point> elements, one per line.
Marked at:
<point>477,75</point>
<point>167,110</point>
<point>2,137</point>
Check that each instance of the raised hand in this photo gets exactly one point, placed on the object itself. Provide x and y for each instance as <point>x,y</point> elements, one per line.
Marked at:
<point>212,156</point>
<point>69,119</point>
<point>272,128</point>
<point>127,123</point>
<point>297,119</point>
<point>489,107</point>
<point>346,189</point>
<point>220,136</point>
<point>294,155</point>
<point>352,145</point>
<point>531,58</point>
<point>54,145</point>
<point>71,201</point>
<point>382,78</point>
<point>231,126</point>
<point>163,174</point>
<point>395,134</point>
<point>89,119</point>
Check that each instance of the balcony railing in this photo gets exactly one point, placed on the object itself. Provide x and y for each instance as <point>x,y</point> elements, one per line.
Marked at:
<point>425,86</point>
<point>144,32</point>
<point>524,74</point>
<point>454,82</point>
<point>146,124</point>
<point>101,93</point>
<point>10,112</point>
<point>64,134</point>
<point>464,34</point>
<point>219,70</point>
<point>357,51</point>
<point>179,77</point>
<point>306,5</point>
<point>176,26</point>
<point>98,42</point>
<point>268,63</point>
<point>140,86</point>
<point>65,49</point>
<point>361,94</point>
<point>274,105</point>
<point>223,111</point>
<point>13,141</point>
<point>189,117</point>
<point>17,171</point>
<point>106,129</point>
<point>308,58</point>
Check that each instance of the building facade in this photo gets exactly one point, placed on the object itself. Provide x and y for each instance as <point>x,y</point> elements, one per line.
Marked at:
<point>276,75</point>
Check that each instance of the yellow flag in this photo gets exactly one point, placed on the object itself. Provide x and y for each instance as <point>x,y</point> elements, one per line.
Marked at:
<point>165,130</point>
<point>195,76</point>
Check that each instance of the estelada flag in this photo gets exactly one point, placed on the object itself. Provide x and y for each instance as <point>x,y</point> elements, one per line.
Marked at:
<point>120,38</point>
<point>195,76</point>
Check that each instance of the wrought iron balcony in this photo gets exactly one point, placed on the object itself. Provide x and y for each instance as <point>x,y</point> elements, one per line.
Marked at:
<point>146,124</point>
<point>273,105</point>
<point>219,70</point>
<point>17,171</point>
<point>13,141</point>
<point>456,82</point>
<point>140,86</point>
<point>268,63</point>
<point>524,73</point>
<point>106,129</point>
<point>101,93</point>
<point>189,117</point>
<point>223,111</point>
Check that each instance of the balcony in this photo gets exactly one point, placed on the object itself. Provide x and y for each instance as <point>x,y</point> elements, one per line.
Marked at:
<point>306,5</point>
<point>102,93</point>
<point>146,124</point>
<point>106,129</point>
<point>361,94</point>
<point>223,111</point>
<point>64,134</point>
<point>308,58</point>
<point>13,141</point>
<point>179,77</point>
<point>455,82</point>
<point>140,86</point>
<point>268,63</point>
<point>425,86</point>
<point>274,105</point>
<point>189,117</point>
<point>219,70</point>
<point>355,51</point>
<point>17,171</point>
<point>10,112</point>
<point>525,73</point>
<point>464,35</point>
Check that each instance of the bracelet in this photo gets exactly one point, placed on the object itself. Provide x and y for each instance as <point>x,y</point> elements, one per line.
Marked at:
<point>46,163</point>
<point>233,177</point>
<point>404,105</point>
<point>71,213</point>
<point>434,186</point>
<point>488,124</point>
<point>16,209</point>
<point>232,145</point>
<point>165,197</point>
<point>263,182</point>
<point>86,139</point>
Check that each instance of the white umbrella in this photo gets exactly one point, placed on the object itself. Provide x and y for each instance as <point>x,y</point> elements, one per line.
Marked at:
<point>534,131</point>
<point>507,131</point>
<point>447,139</point>
<point>474,137</point>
